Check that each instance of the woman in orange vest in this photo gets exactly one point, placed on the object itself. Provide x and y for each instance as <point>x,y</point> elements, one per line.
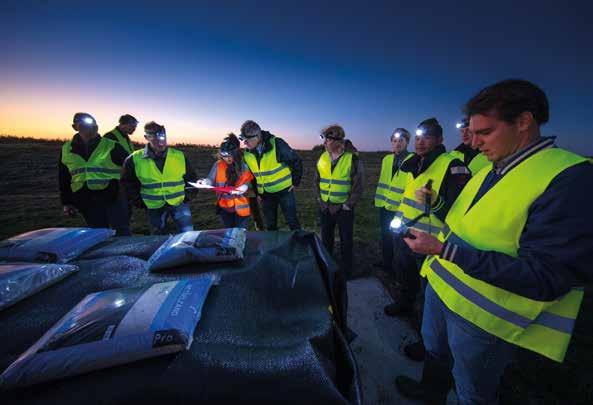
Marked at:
<point>231,170</point>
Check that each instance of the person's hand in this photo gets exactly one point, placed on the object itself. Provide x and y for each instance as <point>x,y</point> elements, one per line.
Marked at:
<point>291,188</point>
<point>259,200</point>
<point>203,182</point>
<point>421,194</point>
<point>424,243</point>
<point>239,190</point>
<point>69,210</point>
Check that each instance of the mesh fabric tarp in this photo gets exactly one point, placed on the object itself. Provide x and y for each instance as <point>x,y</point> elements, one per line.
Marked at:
<point>272,330</point>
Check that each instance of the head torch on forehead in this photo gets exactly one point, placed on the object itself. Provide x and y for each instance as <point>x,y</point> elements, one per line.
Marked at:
<point>225,153</point>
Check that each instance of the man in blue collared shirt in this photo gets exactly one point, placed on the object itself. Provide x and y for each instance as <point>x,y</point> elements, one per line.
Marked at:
<point>554,253</point>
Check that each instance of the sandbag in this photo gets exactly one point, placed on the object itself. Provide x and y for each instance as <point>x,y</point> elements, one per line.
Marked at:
<point>21,280</point>
<point>52,245</point>
<point>213,246</point>
<point>114,327</point>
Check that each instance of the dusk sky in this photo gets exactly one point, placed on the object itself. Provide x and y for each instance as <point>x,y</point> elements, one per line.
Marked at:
<point>202,68</point>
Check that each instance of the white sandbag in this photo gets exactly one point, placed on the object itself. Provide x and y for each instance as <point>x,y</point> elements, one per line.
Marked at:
<point>21,280</point>
<point>52,245</point>
<point>114,327</point>
<point>213,246</point>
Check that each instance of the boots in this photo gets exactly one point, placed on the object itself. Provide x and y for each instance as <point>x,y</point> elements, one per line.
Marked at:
<point>434,386</point>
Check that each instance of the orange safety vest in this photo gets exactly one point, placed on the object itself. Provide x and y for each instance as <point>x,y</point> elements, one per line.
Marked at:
<point>228,202</point>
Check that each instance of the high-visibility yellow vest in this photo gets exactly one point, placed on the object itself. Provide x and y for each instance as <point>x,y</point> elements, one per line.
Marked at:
<point>270,175</point>
<point>495,223</point>
<point>158,188</point>
<point>335,185</point>
<point>123,141</point>
<point>476,164</point>
<point>410,209</point>
<point>96,172</point>
<point>390,189</point>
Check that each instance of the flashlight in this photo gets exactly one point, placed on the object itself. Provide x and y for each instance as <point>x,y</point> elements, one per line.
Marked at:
<point>398,227</point>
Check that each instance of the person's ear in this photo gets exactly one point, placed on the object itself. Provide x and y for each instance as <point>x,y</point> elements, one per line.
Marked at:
<point>75,127</point>
<point>524,121</point>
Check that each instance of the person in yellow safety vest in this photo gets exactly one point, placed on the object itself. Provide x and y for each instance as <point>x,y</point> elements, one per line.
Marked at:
<point>231,170</point>
<point>121,133</point>
<point>508,268</point>
<point>156,178</point>
<point>338,186</point>
<point>473,159</point>
<point>390,191</point>
<point>277,169</point>
<point>89,171</point>
<point>448,176</point>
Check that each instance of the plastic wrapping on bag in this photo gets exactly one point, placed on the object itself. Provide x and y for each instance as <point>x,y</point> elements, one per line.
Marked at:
<point>214,246</point>
<point>114,327</point>
<point>52,245</point>
<point>21,280</point>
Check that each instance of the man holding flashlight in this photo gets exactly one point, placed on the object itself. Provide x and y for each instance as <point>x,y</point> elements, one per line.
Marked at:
<point>506,269</point>
<point>390,191</point>
<point>89,171</point>
<point>473,159</point>
<point>277,170</point>
<point>156,178</point>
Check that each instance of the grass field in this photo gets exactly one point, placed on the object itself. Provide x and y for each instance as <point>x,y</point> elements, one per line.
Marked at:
<point>30,200</point>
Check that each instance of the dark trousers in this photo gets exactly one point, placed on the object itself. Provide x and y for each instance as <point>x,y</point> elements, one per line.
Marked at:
<point>101,214</point>
<point>232,220</point>
<point>388,239</point>
<point>407,269</point>
<point>285,199</point>
<point>344,219</point>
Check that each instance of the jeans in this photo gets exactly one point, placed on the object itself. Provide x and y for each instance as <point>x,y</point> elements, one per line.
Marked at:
<point>108,215</point>
<point>477,358</point>
<point>344,219</point>
<point>232,220</point>
<point>287,202</point>
<point>180,214</point>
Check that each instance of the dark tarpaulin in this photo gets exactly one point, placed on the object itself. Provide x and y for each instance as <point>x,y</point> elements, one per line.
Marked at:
<point>266,333</point>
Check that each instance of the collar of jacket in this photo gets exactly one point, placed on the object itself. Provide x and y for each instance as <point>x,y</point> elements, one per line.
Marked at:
<point>150,154</point>
<point>78,143</point>
<point>506,164</point>
<point>265,141</point>
<point>412,164</point>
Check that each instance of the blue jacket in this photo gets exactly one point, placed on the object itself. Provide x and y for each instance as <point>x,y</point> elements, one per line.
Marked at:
<point>556,245</point>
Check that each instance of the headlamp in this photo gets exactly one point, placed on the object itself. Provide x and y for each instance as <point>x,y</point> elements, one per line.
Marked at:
<point>88,120</point>
<point>397,135</point>
<point>458,125</point>
<point>225,154</point>
<point>420,132</point>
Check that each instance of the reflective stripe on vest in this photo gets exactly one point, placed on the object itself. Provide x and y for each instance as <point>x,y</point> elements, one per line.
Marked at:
<point>410,209</point>
<point>270,175</point>
<point>495,223</point>
<point>125,143</point>
<point>238,204</point>
<point>158,188</point>
<point>96,172</point>
<point>390,189</point>
<point>334,186</point>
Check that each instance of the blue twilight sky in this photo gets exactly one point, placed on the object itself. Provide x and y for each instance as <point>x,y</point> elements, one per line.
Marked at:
<point>202,68</point>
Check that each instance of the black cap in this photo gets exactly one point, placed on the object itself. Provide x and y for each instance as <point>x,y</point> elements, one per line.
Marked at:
<point>128,119</point>
<point>431,127</point>
<point>230,144</point>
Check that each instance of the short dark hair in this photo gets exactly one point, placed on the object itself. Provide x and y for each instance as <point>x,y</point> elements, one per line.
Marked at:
<point>508,99</point>
<point>152,127</point>
<point>128,119</point>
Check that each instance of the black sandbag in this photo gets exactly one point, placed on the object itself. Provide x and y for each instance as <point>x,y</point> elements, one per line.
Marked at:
<point>21,280</point>
<point>114,327</point>
<point>268,334</point>
<point>52,245</point>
